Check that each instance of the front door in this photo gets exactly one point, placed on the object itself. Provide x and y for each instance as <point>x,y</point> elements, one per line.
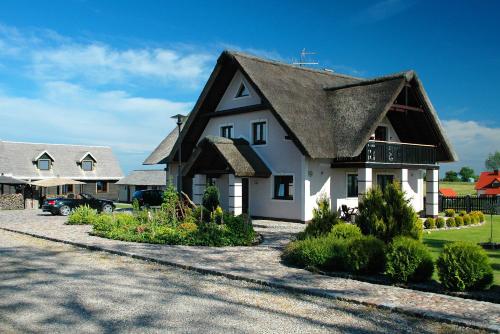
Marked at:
<point>244,195</point>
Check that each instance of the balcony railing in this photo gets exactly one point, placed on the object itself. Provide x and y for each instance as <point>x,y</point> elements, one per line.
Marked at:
<point>394,153</point>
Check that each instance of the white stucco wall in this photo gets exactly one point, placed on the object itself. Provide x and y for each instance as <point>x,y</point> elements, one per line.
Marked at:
<point>279,154</point>
<point>229,101</point>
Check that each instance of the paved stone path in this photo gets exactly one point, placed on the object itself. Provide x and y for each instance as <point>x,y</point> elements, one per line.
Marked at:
<point>261,264</point>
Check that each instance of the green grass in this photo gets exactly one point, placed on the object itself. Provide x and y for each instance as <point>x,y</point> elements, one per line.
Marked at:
<point>436,240</point>
<point>123,205</point>
<point>461,188</point>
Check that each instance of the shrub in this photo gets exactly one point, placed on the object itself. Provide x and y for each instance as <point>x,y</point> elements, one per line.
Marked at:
<point>211,198</point>
<point>440,222</point>
<point>462,213</point>
<point>408,260</point>
<point>449,213</point>
<point>430,223</point>
<point>365,254</point>
<point>170,201</point>
<point>450,222</point>
<point>467,219</point>
<point>459,221</point>
<point>217,216</point>
<point>323,220</point>
<point>188,227</point>
<point>388,214</point>
<point>464,266</point>
<point>308,252</point>
<point>345,231</point>
<point>474,218</point>
<point>82,215</point>
<point>480,215</point>
<point>135,205</point>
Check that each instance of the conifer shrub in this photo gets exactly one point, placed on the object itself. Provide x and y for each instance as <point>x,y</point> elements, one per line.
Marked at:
<point>408,260</point>
<point>440,222</point>
<point>459,221</point>
<point>464,266</point>
<point>449,213</point>
<point>365,254</point>
<point>450,222</point>
<point>430,223</point>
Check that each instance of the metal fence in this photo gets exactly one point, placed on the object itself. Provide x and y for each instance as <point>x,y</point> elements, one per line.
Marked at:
<point>469,203</point>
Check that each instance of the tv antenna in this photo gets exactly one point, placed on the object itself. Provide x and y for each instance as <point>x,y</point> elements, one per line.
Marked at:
<point>304,59</point>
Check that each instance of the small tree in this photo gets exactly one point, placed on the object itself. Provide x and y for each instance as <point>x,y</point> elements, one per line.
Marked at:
<point>211,198</point>
<point>170,201</point>
<point>493,161</point>
<point>388,214</point>
<point>451,176</point>
<point>466,173</point>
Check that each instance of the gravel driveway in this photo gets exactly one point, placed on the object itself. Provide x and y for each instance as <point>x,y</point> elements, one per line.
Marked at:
<point>51,287</point>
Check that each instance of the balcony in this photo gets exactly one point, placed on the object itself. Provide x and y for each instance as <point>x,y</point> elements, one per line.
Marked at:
<point>391,154</point>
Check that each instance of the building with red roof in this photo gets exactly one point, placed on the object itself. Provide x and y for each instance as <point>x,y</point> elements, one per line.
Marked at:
<point>488,183</point>
<point>447,192</point>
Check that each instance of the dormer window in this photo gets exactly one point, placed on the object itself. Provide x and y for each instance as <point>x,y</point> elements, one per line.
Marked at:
<point>43,164</point>
<point>242,91</point>
<point>87,165</point>
<point>87,162</point>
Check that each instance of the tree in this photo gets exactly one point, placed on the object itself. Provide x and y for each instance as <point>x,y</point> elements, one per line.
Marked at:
<point>451,176</point>
<point>466,173</point>
<point>493,161</point>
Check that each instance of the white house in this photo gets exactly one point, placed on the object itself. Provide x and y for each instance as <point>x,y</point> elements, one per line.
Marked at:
<point>273,137</point>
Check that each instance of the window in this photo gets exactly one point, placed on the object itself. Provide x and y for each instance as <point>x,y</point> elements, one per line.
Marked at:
<point>384,180</point>
<point>259,133</point>
<point>352,185</point>
<point>43,164</point>
<point>381,133</point>
<point>101,187</point>
<point>226,131</point>
<point>67,188</point>
<point>283,187</point>
<point>87,165</point>
<point>242,91</point>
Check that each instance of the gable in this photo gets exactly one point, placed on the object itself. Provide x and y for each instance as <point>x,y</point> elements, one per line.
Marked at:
<point>239,93</point>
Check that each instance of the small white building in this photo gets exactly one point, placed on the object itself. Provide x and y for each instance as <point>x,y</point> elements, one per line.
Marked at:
<point>141,180</point>
<point>273,137</point>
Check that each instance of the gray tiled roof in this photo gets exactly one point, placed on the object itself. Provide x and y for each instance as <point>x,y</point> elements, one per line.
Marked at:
<point>16,159</point>
<point>144,178</point>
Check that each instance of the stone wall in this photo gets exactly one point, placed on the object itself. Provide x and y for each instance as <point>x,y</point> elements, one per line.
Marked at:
<point>11,202</point>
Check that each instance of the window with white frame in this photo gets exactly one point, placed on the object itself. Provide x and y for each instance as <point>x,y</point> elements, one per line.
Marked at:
<point>283,187</point>
<point>352,185</point>
<point>259,133</point>
<point>43,164</point>
<point>226,131</point>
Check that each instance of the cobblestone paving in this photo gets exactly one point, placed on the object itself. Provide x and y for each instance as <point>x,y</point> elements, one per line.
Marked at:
<point>262,264</point>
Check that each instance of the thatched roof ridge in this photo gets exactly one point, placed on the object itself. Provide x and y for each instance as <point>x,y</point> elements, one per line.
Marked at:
<point>407,75</point>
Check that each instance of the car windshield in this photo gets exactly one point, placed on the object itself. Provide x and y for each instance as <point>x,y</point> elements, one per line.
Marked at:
<point>86,196</point>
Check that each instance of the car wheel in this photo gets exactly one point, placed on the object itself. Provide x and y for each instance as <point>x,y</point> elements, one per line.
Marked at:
<point>107,208</point>
<point>64,210</point>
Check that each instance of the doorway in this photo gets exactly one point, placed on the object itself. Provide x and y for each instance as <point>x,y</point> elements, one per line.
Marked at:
<point>244,195</point>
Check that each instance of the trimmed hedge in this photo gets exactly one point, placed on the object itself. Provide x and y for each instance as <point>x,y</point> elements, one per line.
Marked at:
<point>430,223</point>
<point>440,222</point>
<point>365,254</point>
<point>309,252</point>
<point>467,219</point>
<point>459,221</point>
<point>450,222</point>
<point>464,266</point>
<point>449,213</point>
<point>408,260</point>
<point>345,231</point>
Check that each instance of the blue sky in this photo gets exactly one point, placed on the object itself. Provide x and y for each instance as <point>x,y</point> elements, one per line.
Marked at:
<point>113,72</point>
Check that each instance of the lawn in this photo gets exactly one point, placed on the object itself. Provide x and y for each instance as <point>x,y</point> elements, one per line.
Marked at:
<point>461,188</point>
<point>123,205</point>
<point>437,239</point>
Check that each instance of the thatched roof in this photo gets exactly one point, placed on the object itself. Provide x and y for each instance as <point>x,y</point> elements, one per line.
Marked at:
<point>18,159</point>
<point>144,178</point>
<point>343,110</point>
<point>223,155</point>
<point>11,180</point>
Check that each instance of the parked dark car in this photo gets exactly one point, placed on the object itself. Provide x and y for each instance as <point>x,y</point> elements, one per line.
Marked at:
<point>148,198</point>
<point>64,206</point>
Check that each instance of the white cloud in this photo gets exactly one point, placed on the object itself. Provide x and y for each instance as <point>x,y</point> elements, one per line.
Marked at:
<point>472,142</point>
<point>99,63</point>
<point>68,113</point>
<point>382,10</point>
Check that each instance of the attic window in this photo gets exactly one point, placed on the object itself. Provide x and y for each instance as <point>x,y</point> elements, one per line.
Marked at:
<point>87,165</point>
<point>43,164</point>
<point>242,91</point>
